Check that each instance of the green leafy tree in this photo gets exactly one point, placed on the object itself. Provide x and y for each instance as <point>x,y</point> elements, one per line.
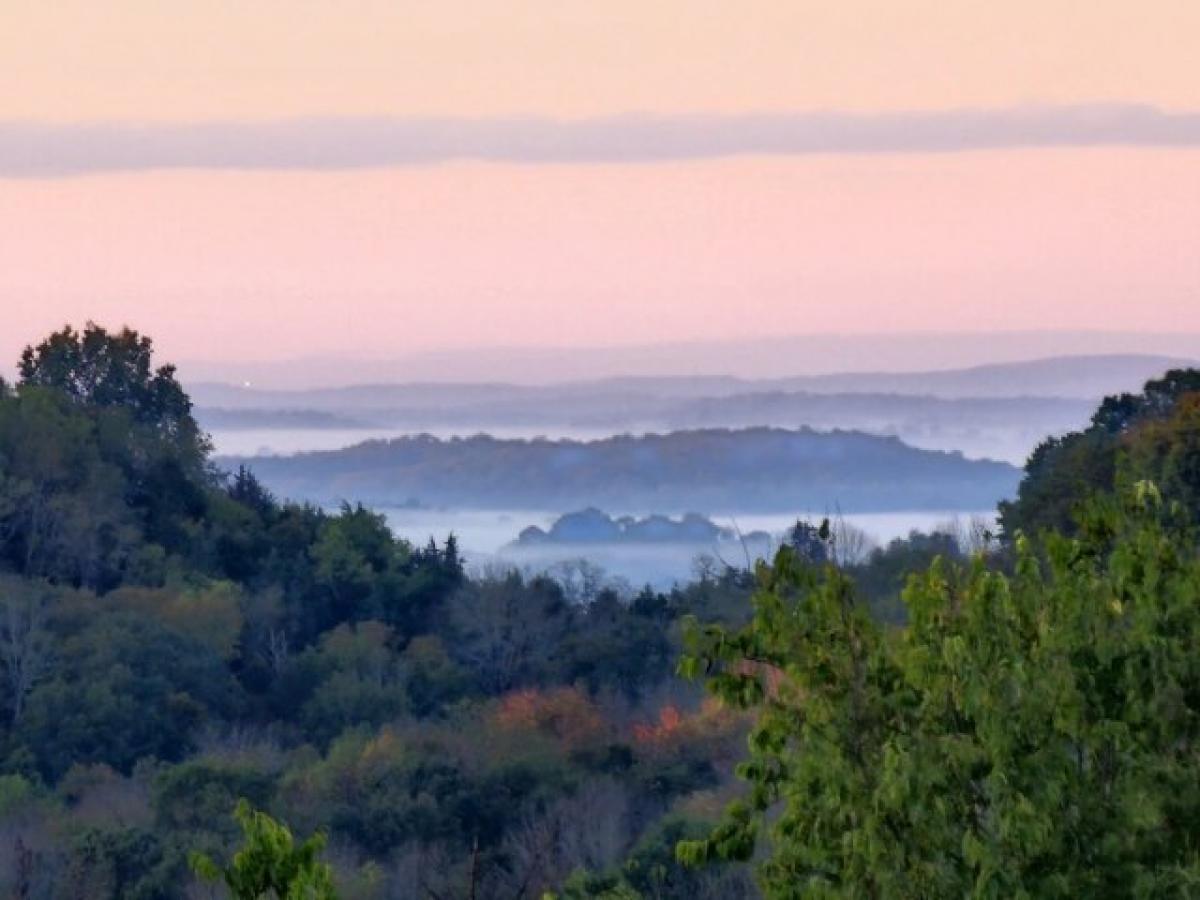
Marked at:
<point>1168,451</point>
<point>1064,471</point>
<point>270,865</point>
<point>357,560</point>
<point>174,639</point>
<point>194,797</point>
<point>1032,735</point>
<point>63,510</point>
<point>100,459</point>
<point>123,688</point>
<point>809,541</point>
<point>121,864</point>
<point>96,368</point>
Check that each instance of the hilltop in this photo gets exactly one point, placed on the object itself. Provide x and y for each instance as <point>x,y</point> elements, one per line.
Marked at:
<point>714,470</point>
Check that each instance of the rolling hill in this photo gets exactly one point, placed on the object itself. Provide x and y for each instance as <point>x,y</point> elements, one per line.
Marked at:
<point>712,471</point>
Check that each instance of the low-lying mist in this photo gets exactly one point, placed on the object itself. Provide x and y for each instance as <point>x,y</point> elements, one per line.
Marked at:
<point>489,540</point>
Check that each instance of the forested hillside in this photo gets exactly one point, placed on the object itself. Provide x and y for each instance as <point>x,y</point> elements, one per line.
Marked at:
<point>174,639</point>
<point>947,715</point>
<point>1031,730</point>
<point>1153,435</point>
<point>713,471</point>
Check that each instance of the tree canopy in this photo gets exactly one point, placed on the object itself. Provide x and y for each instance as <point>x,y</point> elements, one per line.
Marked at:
<point>270,865</point>
<point>174,638</point>
<point>1112,451</point>
<point>1030,734</point>
<point>922,721</point>
<point>98,369</point>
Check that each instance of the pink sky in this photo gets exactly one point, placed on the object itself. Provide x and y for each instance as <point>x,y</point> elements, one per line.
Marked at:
<point>149,59</point>
<point>273,264</point>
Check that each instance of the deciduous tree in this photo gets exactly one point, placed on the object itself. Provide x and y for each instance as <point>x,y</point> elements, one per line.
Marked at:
<point>1029,735</point>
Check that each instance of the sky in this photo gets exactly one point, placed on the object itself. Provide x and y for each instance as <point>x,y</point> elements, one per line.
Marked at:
<point>370,179</point>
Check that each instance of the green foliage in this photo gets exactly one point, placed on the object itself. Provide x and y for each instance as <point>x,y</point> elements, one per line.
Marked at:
<point>100,460</point>
<point>433,681</point>
<point>353,677</point>
<point>122,864</point>
<point>270,865</point>
<point>428,786</point>
<point>590,886</point>
<point>196,796</point>
<point>172,639</point>
<point>63,509</point>
<point>97,369</point>
<point>123,688</point>
<point>652,870</point>
<point>1032,735</point>
<point>1167,451</point>
<point>1131,436</point>
<point>881,578</point>
<point>16,792</point>
<point>615,650</point>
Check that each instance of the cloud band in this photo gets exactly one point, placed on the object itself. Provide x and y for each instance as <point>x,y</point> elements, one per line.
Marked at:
<point>30,149</point>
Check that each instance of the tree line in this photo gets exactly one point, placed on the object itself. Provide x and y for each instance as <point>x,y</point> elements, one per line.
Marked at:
<point>1006,715</point>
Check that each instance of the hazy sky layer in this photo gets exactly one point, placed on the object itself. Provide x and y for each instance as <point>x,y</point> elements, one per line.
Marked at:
<point>220,59</point>
<point>553,242</point>
<point>277,264</point>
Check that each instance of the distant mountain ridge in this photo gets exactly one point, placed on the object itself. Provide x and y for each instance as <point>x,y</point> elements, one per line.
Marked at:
<point>1074,377</point>
<point>986,412</point>
<point>619,411</point>
<point>712,470</point>
<point>779,356</point>
<point>1077,377</point>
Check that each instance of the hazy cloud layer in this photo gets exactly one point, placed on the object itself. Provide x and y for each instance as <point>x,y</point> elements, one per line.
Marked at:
<point>38,150</point>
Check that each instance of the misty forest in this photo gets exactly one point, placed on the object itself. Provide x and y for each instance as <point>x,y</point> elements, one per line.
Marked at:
<point>214,689</point>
